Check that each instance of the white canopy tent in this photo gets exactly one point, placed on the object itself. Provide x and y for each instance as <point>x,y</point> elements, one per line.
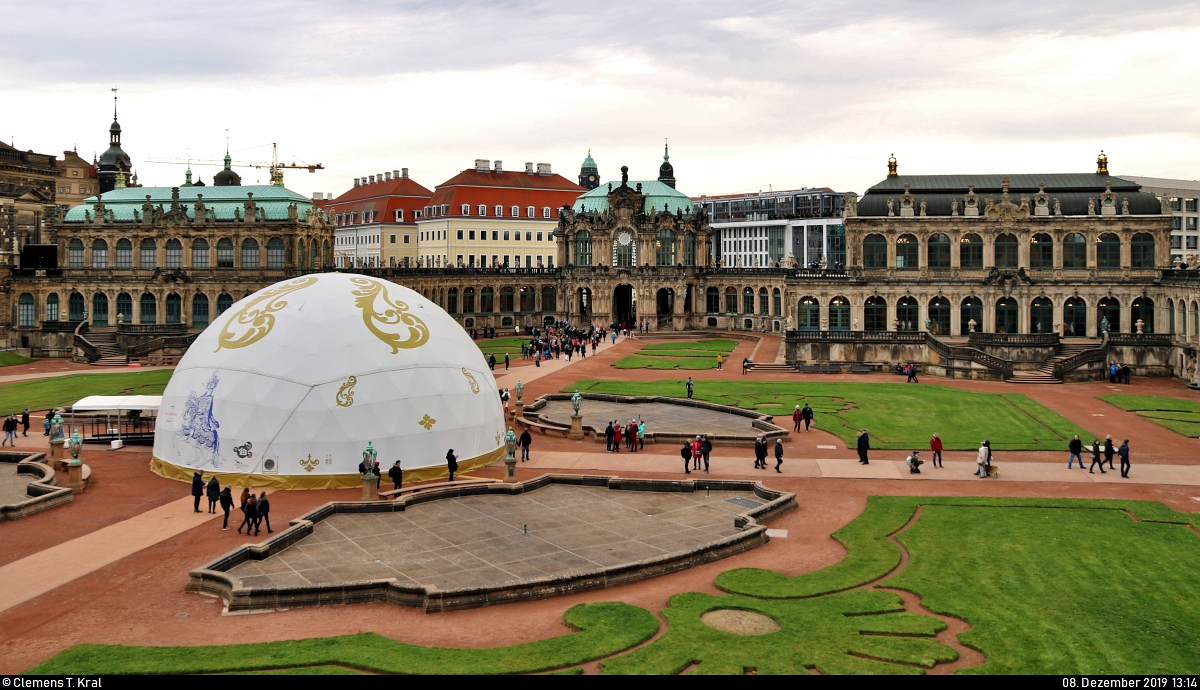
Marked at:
<point>118,404</point>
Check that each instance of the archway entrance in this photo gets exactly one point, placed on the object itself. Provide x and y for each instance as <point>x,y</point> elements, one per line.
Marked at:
<point>624,304</point>
<point>666,302</point>
<point>585,303</point>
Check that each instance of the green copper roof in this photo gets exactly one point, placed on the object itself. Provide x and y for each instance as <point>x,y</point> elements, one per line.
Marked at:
<point>588,162</point>
<point>223,201</point>
<point>656,193</point>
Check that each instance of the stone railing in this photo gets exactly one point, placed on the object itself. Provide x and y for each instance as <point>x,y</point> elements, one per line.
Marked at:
<point>1002,367</point>
<point>1095,354</point>
<point>171,341</point>
<point>856,336</point>
<point>90,352</point>
<point>1038,339</point>
<point>1151,339</point>
<point>151,328</point>
<point>59,326</point>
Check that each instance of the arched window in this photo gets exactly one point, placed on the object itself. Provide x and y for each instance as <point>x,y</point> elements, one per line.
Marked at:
<point>839,314</point>
<point>748,301</point>
<point>528,299</point>
<point>777,302</point>
<point>99,254</point>
<point>970,251</point>
<point>249,253</point>
<point>174,308</point>
<point>1108,251</point>
<point>1041,316</point>
<point>1142,251</point>
<point>970,310</point>
<point>225,253</point>
<point>487,301</point>
<point>200,310</point>
<point>301,254</point>
<point>712,300</point>
<point>276,253</point>
<point>100,310</point>
<point>1075,317</point>
<point>314,259</point>
<point>325,251</point>
<point>468,300</point>
<point>623,254</point>
<point>1142,310</point>
<point>1006,250</point>
<point>1041,251</point>
<point>148,254</point>
<point>730,300</point>
<point>200,257</point>
<point>549,299</point>
<point>1108,315</point>
<point>1006,315</point>
<point>506,299</point>
<point>124,308</point>
<point>875,314</point>
<point>1170,316</point>
<point>452,300</point>
<point>76,306</point>
<point>52,307</point>
<point>75,254</point>
<point>224,302</point>
<point>174,254</point>
<point>808,315</point>
<point>26,311</point>
<point>939,316</point>
<point>689,249</point>
<point>1195,319</point>
<point>1074,251</point>
<point>908,314</point>
<point>764,305</point>
<point>124,253</point>
<point>875,252</point>
<point>147,309</point>
<point>664,248</point>
<point>939,251</point>
<point>906,252</point>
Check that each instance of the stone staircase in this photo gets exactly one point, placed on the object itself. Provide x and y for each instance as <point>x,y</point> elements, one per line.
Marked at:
<point>1045,372</point>
<point>111,354</point>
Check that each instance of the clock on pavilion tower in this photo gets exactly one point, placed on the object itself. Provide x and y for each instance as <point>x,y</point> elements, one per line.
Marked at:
<point>589,174</point>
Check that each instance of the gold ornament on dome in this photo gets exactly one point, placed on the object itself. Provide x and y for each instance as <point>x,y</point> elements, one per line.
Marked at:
<point>427,422</point>
<point>258,314</point>
<point>499,437</point>
<point>308,463</point>
<point>394,313</point>
<point>471,380</point>
<point>345,394</point>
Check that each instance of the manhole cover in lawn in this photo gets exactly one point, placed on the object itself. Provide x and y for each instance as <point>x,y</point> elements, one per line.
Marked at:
<point>743,502</point>
<point>739,622</point>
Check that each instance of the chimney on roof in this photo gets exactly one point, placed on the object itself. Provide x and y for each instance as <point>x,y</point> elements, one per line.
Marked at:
<point>372,178</point>
<point>316,196</point>
<point>499,167</point>
<point>380,177</point>
<point>395,174</point>
<point>404,173</point>
<point>481,165</point>
<point>356,182</point>
<point>387,176</point>
<point>529,168</point>
<point>543,168</point>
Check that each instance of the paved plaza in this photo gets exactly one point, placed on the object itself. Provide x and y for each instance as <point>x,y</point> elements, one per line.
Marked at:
<point>659,417</point>
<point>491,540</point>
<point>12,485</point>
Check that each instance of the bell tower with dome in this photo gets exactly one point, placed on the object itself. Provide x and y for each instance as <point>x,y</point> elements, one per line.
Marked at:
<point>666,173</point>
<point>114,165</point>
<point>589,174</point>
<point>227,177</point>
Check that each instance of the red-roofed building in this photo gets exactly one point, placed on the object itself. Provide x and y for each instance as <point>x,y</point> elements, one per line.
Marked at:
<point>375,221</point>
<point>487,216</point>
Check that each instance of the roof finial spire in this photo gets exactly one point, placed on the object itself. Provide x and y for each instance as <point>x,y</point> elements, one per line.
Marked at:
<point>1102,163</point>
<point>114,90</point>
<point>892,166</point>
<point>666,151</point>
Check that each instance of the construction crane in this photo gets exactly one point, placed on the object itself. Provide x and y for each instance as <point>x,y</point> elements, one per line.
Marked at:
<point>275,167</point>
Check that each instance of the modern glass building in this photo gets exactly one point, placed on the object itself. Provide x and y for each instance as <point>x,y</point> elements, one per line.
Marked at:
<point>798,227</point>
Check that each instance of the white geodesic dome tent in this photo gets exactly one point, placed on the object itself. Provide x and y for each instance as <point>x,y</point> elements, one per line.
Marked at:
<point>288,386</point>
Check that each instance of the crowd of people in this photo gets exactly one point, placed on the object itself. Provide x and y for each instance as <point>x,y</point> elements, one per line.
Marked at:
<point>256,510</point>
<point>633,434</point>
<point>1100,454</point>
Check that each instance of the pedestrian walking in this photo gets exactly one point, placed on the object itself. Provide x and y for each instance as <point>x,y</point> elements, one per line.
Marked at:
<point>526,441</point>
<point>641,435</point>
<point>1109,451</point>
<point>226,504</point>
<point>264,513</point>
<point>686,453</point>
<point>690,386</point>
<point>25,422</point>
<point>213,491</point>
<point>982,459</point>
<point>616,436</point>
<point>935,447</point>
<point>697,452</point>
<point>1112,372</point>
<point>807,414</point>
<point>1123,453</point>
<point>46,425</point>
<point>609,434</point>
<point>492,362</point>
<point>864,445</point>
<point>778,455</point>
<point>506,361</point>
<point>1096,458</point>
<point>797,418</point>
<point>197,490</point>
<point>10,432</point>
<point>1076,448</point>
<point>911,370</point>
<point>760,452</point>
<point>1126,372</point>
<point>249,515</point>
<point>720,362</point>
<point>631,434</point>
<point>245,497</point>
<point>451,463</point>
<point>397,476</point>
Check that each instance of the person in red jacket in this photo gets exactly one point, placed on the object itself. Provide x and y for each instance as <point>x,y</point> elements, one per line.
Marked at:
<point>935,445</point>
<point>796,418</point>
<point>697,445</point>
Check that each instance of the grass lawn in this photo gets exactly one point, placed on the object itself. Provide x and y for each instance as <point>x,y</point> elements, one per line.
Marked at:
<point>1180,416</point>
<point>603,629</point>
<point>896,416</point>
<point>7,359</point>
<point>501,346</point>
<point>690,355</point>
<point>58,391</point>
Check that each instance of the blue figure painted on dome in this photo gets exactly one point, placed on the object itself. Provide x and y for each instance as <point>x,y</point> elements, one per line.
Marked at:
<point>199,427</point>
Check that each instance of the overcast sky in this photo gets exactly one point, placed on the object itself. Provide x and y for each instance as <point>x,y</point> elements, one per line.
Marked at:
<point>787,94</point>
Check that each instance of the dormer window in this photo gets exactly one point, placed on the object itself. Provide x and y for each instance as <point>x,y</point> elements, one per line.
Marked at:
<point>545,212</point>
<point>529,212</point>
<point>445,209</point>
<point>465,210</point>
<point>482,210</point>
<point>499,211</point>
<point>515,211</point>
<point>399,215</point>
<point>418,213</point>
